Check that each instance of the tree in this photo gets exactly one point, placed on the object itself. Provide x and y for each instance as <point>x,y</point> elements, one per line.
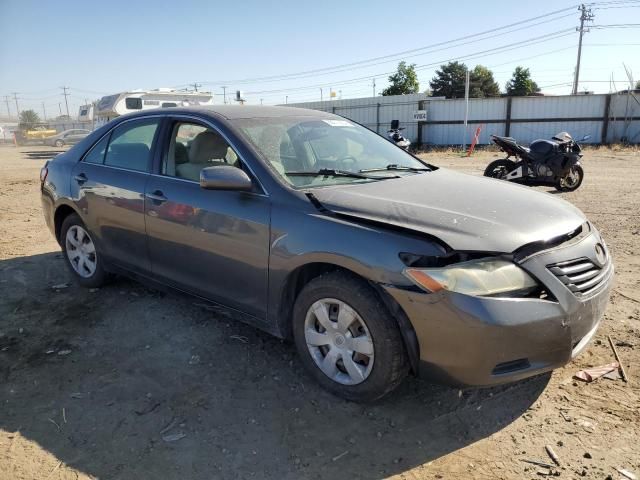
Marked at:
<point>29,116</point>
<point>638,85</point>
<point>482,83</point>
<point>521,84</point>
<point>449,80</point>
<point>404,81</point>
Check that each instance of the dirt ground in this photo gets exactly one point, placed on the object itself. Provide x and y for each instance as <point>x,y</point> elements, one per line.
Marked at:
<point>130,383</point>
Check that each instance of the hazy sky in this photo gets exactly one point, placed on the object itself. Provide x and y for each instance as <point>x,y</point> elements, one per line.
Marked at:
<point>98,48</point>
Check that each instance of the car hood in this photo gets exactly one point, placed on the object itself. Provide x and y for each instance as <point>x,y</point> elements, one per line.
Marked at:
<point>464,211</point>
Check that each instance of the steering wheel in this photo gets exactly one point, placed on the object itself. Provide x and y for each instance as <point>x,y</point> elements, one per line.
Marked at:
<point>348,163</point>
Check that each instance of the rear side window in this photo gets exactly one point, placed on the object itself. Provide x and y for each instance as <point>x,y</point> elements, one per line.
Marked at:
<point>96,154</point>
<point>130,145</point>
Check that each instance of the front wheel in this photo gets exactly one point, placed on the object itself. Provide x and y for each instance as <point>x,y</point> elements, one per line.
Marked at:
<point>572,180</point>
<point>499,169</point>
<point>59,143</point>
<point>346,338</point>
<point>81,254</point>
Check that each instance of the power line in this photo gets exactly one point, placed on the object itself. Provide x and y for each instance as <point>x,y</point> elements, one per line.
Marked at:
<point>402,54</point>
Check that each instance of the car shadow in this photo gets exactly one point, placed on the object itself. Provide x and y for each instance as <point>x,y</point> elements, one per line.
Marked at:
<point>128,382</point>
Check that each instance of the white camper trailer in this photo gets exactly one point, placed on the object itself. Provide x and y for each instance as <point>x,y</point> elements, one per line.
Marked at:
<point>112,106</point>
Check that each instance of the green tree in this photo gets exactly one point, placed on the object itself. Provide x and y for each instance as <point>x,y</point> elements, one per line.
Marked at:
<point>449,80</point>
<point>482,83</point>
<point>404,81</point>
<point>521,83</point>
<point>29,116</point>
<point>638,85</point>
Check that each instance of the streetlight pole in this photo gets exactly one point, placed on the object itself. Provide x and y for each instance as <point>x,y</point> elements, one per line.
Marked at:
<point>466,110</point>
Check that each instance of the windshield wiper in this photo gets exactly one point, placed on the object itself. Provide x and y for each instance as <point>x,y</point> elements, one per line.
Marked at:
<point>330,172</point>
<point>396,167</point>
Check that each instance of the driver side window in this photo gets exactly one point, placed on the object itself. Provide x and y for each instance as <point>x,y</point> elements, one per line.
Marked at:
<point>193,147</point>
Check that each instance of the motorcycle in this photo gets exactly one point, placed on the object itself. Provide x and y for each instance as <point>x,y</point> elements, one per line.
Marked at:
<point>554,162</point>
<point>396,137</point>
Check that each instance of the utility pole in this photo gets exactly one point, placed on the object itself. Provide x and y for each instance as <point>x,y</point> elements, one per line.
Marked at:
<point>374,87</point>
<point>286,99</point>
<point>585,16</point>
<point>224,94</point>
<point>321,99</point>
<point>261,101</point>
<point>15,97</point>
<point>466,111</point>
<point>44,112</point>
<point>195,86</point>
<point>6,100</point>
<point>60,107</point>
<point>66,102</point>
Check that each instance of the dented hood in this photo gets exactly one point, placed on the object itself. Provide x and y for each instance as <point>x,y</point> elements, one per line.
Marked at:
<point>464,211</point>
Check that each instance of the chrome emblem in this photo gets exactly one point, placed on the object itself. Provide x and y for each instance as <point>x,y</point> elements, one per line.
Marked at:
<point>601,256</point>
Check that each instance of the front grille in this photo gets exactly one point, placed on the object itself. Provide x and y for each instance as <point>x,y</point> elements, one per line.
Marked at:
<point>581,275</point>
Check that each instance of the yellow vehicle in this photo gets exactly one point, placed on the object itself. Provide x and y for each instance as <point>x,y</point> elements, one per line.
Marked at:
<point>33,132</point>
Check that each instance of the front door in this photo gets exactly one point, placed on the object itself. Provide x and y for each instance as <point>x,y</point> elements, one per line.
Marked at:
<point>109,184</point>
<point>211,243</point>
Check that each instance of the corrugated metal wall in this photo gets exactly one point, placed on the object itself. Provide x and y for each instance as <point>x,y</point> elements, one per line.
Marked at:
<point>530,117</point>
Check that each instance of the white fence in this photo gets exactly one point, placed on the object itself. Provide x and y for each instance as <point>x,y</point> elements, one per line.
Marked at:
<point>607,118</point>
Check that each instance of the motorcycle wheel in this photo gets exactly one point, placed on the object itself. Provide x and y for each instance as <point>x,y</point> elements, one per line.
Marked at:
<point>572,180</point>
<point>499,169</point>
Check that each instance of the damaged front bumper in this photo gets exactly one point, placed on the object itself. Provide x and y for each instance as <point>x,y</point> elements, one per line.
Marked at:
<point>481,341</point>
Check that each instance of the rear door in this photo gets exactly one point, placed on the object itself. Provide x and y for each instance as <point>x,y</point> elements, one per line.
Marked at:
<point>109,184</point>
<point>210,242</point>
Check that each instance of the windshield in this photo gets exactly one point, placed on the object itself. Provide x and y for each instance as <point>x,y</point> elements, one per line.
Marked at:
<point>308,152</point>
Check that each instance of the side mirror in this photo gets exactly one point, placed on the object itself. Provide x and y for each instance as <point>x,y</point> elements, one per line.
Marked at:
<point>225,177</point>
<point>585,138</point>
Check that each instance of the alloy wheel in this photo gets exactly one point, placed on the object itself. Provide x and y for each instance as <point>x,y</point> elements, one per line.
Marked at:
<point>339,341</point>
<point>81,251</point>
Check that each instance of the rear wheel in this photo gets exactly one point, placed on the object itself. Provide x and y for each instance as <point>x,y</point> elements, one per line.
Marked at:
<point>572,180</point>
<point>499,169</point>
<point>81,254</point>
<point>346,338</point>
<point>59,143</point>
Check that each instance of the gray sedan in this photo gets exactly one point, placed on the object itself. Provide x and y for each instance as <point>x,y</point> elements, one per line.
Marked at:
<point>315,229</point>
<point>68,137</point>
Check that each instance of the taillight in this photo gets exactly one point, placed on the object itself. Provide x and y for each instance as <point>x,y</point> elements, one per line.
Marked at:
<point>44,171</point>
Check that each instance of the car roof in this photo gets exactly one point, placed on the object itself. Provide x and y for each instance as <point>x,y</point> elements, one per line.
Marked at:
<point>234,112</point>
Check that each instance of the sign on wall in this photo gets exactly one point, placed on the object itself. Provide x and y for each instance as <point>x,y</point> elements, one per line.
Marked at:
<point>420,115</point>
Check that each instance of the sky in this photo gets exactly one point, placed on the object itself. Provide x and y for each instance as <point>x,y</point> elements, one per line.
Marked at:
<point>101,48</point>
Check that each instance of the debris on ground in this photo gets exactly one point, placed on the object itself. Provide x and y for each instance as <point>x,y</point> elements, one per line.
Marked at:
<point>627,473</point>
<point>552,454</point>
<point>241,338</point>
<point>174,437</point>
<point>591,374</point>
<point>338,457</point>
<point>615,353</point>
<point>537,463</point>
<point>60,286</point>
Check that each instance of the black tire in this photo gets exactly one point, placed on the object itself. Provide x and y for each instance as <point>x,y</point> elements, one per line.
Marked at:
<point>390,365</point>
<point>563,187</point>
<point>99,276</point>
<point>59,143</point>
<point>499,168</point>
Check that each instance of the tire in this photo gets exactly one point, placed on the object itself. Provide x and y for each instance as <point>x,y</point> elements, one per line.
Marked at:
<point>499,168</point>
<point>59,143</point>
<point>563,186</point>
<point>376,331</point>
<point>87,277</point>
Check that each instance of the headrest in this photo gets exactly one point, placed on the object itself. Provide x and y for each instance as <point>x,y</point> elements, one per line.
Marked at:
<point>207,146</point>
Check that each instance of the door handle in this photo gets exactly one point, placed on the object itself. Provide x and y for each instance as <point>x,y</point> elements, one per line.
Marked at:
<point>157,197</point>
<point>80,178</point>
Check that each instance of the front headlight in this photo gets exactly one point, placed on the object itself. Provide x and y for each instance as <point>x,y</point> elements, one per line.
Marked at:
<point>481,277</point>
